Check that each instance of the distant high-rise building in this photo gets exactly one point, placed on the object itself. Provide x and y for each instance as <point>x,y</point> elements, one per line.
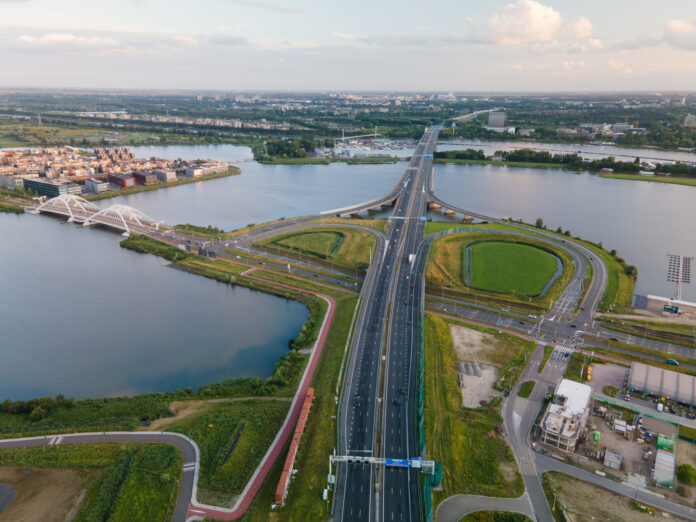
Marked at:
<point>497,119</point>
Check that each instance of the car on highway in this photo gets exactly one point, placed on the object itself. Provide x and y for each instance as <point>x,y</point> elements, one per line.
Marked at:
<point>672,361</point>
<point>504,310</point>
<point>613,339</point>
<point>522,322</point>
<point>573,326</point>
<point>356,401</point>
<point>582,308</point>
<point>395,402</point>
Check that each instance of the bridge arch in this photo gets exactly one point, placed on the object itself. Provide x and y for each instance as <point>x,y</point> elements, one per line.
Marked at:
<point>123,217</point>
<point>68,203</point>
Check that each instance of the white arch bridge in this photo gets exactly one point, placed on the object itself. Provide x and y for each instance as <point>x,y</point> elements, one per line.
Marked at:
<point>79,210</point>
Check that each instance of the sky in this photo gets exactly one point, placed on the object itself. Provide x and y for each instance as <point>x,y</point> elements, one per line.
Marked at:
<point>330,45</point>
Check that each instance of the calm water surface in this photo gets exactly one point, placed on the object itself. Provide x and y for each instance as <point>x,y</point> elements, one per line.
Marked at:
<point>82,316</point>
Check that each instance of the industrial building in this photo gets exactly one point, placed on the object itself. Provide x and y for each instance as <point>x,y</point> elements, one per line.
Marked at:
<point>52,187</point>
<point>659,382</point>
<point>122,180</point>
<point>11,182</point>
<point>566,415</point>
<point>612,459</point>
<point>665,464</point>
<point>96,186</point>
<point>145,178</point>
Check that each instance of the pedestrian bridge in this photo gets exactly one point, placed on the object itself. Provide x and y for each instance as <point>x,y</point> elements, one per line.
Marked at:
<point>79,210</point>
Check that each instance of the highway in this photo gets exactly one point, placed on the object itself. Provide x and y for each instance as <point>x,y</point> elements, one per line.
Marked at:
<point>362,490</point>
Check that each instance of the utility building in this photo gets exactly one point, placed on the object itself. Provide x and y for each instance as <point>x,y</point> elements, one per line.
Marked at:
<point>658,382</point>
<point>566,415</point>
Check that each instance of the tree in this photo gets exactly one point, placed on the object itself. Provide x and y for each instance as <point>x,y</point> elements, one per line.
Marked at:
<point>37,413</point>
<point>539,223</point>
<point>687,474</point>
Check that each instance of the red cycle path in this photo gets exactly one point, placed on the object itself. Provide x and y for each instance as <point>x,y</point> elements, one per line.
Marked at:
<point>269,460</point>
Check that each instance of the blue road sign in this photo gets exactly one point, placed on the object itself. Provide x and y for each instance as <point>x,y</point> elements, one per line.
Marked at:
<point>397,463</point>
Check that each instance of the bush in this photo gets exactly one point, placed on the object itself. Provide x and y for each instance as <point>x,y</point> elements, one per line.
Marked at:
<point>687,474</point>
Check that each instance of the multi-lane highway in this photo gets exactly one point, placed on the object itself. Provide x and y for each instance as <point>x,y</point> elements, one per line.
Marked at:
<point>376,412</point>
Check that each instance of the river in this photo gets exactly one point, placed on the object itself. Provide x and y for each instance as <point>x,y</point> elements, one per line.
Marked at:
<point>83,317</point>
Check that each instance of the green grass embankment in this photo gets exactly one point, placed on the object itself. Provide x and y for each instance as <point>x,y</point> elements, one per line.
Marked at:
<point>526,389</point>
<point>147,188</point>
<point>10,209</point>
<point>346,247</point>
<point>137,481</point>
<point>469,442</point>
<point>657,179</point>
<point>502,163</point>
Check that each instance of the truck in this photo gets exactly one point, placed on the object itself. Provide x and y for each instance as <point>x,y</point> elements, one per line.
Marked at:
<point>411,258</point>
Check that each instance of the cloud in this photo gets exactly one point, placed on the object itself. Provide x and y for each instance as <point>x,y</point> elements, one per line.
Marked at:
<point>521,22</point>
<point>620,67</point>
<point>227,39</point>
<point>582,27</point>
<point>185,41</point>
<point>684,41</point>
<point>68,40</point>
<point>268,6</point>
<point>677,26</point>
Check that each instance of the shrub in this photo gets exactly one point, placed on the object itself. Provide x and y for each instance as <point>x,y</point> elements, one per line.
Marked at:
<point>687,474</point>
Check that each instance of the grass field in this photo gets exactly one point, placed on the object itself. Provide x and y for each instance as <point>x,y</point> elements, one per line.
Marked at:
<point>475,457</point>
<point>347,247</point>
<point>320,244</point>
<point>509,268</point>
<point>526,389</point>
<point>447,267</point>
<point>137,482</point>
<point>691,182</point>
<point>232,437</point>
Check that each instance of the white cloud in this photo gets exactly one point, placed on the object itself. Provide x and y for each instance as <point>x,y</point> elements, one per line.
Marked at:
<point>582,28</point>
<point>620,67</point>
<point>515,23</point>
<point>677,26</point>
<point>268,6</point>
<point>68,40</point>
<point>185,41</point>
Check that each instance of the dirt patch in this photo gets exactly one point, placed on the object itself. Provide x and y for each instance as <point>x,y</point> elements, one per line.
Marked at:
<point>574,495</point>
<point>45,494</point>
<point>509,472</point>
<point>180,409</point>
<point>471,344</point>
<point>476,385</point>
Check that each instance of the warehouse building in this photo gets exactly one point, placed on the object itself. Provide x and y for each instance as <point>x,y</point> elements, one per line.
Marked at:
<point>660,383</point>
<point>665,464</point>
<point>566,415</point>
<point>122,180</point>
<point>52,187</point>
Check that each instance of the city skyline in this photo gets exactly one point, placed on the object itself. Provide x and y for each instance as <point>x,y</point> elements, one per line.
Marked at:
<point>498,46</point>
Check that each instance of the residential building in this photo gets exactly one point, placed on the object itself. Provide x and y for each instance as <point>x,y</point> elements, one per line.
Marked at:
<point>165,175</point>
<point>52,187</point>
<point>96,186</point>
<point>122,180</point>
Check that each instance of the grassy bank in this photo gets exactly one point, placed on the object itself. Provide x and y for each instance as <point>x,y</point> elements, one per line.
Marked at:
<point>147,188</point>
<point>503,163</point>
<point>10,209</point>
<point>136,482</point>
<point>548,350</point>
<point>347,247</point>
<point>656,179</point>
<point>475,456</point>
